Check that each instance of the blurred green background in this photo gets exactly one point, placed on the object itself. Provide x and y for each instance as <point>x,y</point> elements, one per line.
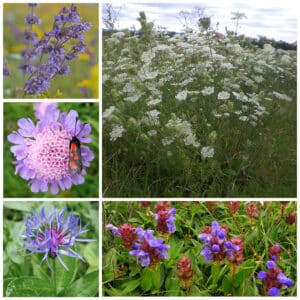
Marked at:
<point>15,264</point>
<point>84,71</point>
<point>15,186</point>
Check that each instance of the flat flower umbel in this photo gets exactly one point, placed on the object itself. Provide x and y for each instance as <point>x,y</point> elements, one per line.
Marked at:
<point>53,234</point>
<point>42,151</point>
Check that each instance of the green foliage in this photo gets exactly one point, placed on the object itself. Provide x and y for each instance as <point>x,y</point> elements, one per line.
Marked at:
<point>122,275</point>
<point>25,275</point>
<point>15,186</point>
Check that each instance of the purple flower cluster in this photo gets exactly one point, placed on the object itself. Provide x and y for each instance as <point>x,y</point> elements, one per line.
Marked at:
<point>42,150</point>
<point>165,220</point>
<point>53,234</point>
<point>148,249</point>
<point>274,279</point>
<point>51,55</point>
<point>216,246</point>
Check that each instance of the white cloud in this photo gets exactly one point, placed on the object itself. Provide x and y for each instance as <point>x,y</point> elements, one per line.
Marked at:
<point>274,19</point>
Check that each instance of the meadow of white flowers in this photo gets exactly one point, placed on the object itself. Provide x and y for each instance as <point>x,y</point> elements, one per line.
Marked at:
<point>188,109</point>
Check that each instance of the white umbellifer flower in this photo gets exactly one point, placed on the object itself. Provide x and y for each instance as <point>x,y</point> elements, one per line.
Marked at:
<point>152,101</point>
<point>116,132</point>
<point>167,140</point>
<point>133,98</point>
<point>191,139</point>
<point>207,152</point>
<point>208,90</point>
<point>119,34</point>
<point>152,132</point>
<point>258,79</point>
<point>282,96</point>
<point>181,96</point>
<point>243,118</point>
<point>108,112</point>
<point>223,95</point>
<point>152,118</point>
<point>226,66</point>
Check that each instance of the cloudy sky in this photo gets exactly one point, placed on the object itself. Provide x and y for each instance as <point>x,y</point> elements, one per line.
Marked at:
<point>272,18</point>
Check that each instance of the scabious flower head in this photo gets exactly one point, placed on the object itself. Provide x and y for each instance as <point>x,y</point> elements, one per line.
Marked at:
<point>53,234</point>
<point>216,247</point>
<point>42,150</point>
<point>274,279</point>
<point>148,249</point>
<point>252,210</point>
<point>274,252</point>
<point>126,232</point>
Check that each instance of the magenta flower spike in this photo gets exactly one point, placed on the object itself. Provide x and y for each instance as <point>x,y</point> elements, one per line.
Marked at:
<point>42,149</point>
<point>53,234</point>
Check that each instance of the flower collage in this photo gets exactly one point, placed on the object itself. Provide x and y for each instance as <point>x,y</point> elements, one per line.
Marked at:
<point>149,149</point>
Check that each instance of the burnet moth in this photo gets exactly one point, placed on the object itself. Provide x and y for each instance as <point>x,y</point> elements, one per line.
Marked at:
<point>75,159</point>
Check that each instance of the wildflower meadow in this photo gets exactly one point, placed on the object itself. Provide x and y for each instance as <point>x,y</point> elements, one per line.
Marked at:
<point>199,248</point>
<point>197,114</point>
<point>51,149</point>
<point>50,249</point>
<point>50,50</point>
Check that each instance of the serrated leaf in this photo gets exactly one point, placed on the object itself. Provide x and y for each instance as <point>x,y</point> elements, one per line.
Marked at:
<point>29,287</point>
<point>86,286</point>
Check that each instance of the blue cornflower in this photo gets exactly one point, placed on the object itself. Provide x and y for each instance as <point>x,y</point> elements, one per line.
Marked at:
<point>215,244</point>
<point>148,249</point>
<point>53,234</point>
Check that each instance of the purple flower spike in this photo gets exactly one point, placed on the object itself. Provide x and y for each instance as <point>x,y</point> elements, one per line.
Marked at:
<point>42,150</point>
<point>53,234</point>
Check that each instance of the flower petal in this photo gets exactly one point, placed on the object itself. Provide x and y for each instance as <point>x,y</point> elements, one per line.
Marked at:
<point>26,127</point>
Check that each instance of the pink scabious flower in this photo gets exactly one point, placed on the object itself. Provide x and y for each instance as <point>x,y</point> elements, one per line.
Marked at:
<point>42,149</point>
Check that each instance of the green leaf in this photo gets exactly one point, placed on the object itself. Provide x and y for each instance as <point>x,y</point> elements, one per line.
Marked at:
<point>29,287</point>
<point>175,248</point>
<point>39,270</point>
<point>86,286</point>
<point>90,254</point>
<point>158,277</point>
<point>227,283</point>
<point>146,279</point>
<point>23,206</point>
<point>110,261</point>
<point>246,270</point>
<point>172,283</point>
<point>130,286</point>
<point>61,278</point>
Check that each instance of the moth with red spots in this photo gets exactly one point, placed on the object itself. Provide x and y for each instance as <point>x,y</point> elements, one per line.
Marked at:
<point>75,159</point>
